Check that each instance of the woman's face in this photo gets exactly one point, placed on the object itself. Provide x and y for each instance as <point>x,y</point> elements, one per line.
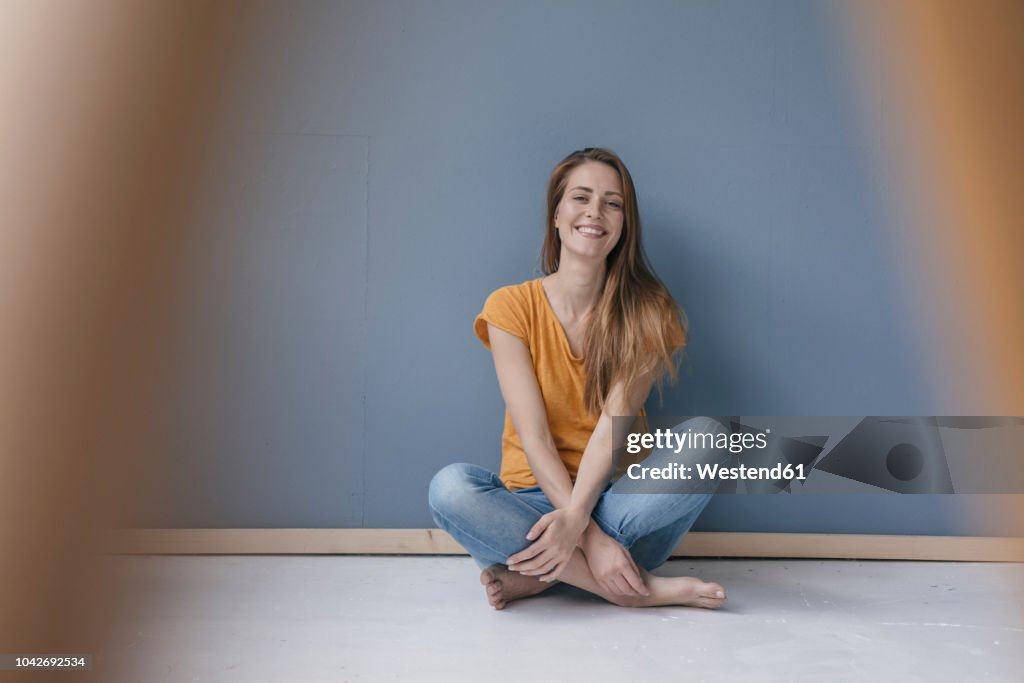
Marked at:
<point>590,214</point>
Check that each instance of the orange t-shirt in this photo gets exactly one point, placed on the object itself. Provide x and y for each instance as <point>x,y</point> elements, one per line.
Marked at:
<point>524,311</point>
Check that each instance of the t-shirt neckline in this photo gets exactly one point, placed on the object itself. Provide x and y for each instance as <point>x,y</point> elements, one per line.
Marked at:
<point>558,323</point>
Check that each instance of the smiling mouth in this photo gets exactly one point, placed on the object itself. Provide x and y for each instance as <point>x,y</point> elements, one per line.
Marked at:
<point>590,231</point>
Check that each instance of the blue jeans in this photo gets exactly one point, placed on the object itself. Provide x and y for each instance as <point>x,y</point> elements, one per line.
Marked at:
<point>472,504</point>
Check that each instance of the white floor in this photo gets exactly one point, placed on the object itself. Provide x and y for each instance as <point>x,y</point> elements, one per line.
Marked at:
<point>329,618</point>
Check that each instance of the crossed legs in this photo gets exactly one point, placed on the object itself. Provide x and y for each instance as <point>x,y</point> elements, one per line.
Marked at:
<point>491,522</point>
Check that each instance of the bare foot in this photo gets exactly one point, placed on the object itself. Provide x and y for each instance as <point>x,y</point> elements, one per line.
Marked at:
<point>504,586</point>
<point>687,591</point>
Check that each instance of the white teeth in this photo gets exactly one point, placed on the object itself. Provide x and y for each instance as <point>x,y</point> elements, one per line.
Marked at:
<point>590,231</point>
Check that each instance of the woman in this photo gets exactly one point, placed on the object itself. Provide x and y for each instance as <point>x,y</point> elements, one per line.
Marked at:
<point>571,350</point>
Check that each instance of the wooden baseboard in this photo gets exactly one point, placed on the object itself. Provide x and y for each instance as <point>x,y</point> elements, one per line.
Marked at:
<point>436,542</point>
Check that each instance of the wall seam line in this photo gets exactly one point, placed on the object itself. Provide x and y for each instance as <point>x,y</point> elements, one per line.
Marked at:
<point>366,325</point>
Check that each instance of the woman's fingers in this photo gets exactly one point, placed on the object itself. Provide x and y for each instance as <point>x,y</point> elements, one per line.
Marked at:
<point>554,573</point>
<point>534,549</point>
<point>626,587</point>
<point>636,583</point>
<point>631,574</point>
<point>533,563</point>
<point>530,566</point>
<point>624,582</point>
<point>537,529</point>
<point>543,569</point>
<point>525,555</point>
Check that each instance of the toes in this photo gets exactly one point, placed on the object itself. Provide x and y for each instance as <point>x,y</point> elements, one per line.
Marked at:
<point>496,601</point>
<point>488,575</point>
<point>709,603</point>
<point>712,590</point>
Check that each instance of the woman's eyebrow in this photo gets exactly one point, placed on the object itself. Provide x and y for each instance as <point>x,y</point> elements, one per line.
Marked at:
<point>581,187</point>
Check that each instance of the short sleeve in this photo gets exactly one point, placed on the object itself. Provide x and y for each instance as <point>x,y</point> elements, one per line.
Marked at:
<point>506,309</point>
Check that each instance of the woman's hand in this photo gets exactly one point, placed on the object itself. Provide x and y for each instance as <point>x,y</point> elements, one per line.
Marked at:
<point>612,565</point>
<point>556,534</point>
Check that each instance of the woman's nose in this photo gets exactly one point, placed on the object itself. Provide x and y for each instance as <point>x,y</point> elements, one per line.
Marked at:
<point>594,208</point>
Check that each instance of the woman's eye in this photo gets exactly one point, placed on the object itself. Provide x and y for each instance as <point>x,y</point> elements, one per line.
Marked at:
<point>615,204</point>
<point>579,197</point>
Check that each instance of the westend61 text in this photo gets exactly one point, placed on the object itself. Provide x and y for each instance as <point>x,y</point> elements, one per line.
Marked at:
<point>706,471</point>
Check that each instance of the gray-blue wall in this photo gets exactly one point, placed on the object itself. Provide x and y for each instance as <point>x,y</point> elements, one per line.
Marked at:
<point>378,168</point>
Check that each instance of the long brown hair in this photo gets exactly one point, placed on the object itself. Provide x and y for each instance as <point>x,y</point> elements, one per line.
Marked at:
<point>630,328</point>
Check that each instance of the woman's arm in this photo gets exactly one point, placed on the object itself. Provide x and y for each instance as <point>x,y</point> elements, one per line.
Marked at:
<point>557,533</point>
<point>610,563</point>
<point>519,388</point>
<point>597,464</point>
